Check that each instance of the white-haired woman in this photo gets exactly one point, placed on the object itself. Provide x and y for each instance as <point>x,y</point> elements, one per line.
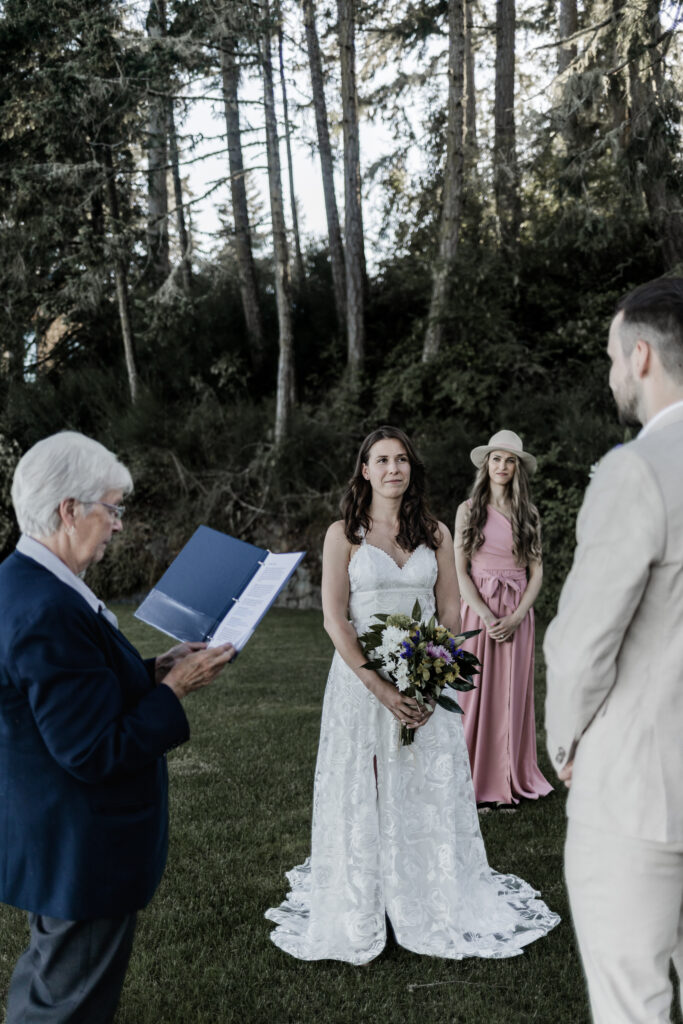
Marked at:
<point>84,727</point>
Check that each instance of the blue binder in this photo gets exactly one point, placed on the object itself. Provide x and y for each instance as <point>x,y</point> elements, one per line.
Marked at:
<point>201,584</point>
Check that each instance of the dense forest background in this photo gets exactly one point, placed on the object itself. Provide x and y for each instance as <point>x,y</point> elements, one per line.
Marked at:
<point>238,381</point>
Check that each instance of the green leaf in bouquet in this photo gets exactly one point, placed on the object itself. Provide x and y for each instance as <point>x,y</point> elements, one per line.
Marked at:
<point>460,684</point>
<point>468,661</point>
<point>431,624</point>
<point>449,705</point>
<point>382,617</point>
<point>369,644</point>
<point>417,611</point>
<point>468,634</point>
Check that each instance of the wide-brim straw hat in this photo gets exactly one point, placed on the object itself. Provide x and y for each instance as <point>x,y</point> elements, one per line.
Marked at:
<point>504,441</point>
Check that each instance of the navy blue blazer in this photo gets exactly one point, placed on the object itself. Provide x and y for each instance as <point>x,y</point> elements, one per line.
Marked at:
<point>83,734</point>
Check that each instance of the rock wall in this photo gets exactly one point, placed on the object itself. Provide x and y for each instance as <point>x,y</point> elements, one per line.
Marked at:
<point>301,591</point>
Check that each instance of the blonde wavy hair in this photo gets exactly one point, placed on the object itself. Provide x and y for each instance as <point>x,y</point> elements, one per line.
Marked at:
<point>526,522</point>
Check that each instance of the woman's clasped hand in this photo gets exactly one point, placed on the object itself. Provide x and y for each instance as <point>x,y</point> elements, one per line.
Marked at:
<point>502,629</point>
<point>405,709</point>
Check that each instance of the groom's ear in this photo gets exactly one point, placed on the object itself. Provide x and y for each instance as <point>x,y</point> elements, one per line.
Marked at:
<point>642,357</point>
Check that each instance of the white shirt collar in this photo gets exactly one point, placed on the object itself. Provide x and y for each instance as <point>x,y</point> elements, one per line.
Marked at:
<point>32,548</point>
<point>660,416</point>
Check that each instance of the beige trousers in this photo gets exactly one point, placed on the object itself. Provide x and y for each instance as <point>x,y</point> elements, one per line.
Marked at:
<point>626,898</point>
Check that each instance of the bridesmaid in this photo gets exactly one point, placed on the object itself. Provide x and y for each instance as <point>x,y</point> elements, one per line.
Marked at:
<point>498,560</point>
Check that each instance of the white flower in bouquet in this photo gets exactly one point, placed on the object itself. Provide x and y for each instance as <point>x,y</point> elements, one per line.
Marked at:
<point>402,676</point>
<point>390,648</point>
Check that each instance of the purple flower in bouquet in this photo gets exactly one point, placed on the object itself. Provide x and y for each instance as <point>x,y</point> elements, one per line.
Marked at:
<point>407,650</point>
<point>439,651</point>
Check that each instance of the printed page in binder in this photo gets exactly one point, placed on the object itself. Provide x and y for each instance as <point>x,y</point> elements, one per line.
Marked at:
<point>255,600</point>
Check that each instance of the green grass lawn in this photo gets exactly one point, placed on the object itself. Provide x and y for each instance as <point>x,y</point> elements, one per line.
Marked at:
<point>240,817</point>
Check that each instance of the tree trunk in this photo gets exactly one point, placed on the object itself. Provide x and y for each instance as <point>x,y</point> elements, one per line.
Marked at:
<point>567,52</point>
<point>157,195</point>
<point>652,146</point>
<point>121,275</point>
<point>355,253</point>
<point>326,164</point>
<point>300,274</point>
<point>240,212</point>
<point>471,144</point>
<point>505,172</point>
<point>183,238</point>
<point>616,94</point>
<point>283,291</point>
<point>451,211</point>
<point>569,23</point>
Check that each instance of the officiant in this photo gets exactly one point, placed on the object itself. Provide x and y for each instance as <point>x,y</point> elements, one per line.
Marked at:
<point>85,724</point>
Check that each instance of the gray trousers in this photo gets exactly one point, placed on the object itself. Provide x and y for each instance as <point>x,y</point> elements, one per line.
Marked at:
<point>72,971</point>
<point>626,897</point>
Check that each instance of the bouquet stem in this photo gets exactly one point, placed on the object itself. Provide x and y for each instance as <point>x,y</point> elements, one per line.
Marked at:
<point>406,736</point>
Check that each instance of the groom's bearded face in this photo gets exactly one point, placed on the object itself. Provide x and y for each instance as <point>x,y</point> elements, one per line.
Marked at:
<point>621,379</point>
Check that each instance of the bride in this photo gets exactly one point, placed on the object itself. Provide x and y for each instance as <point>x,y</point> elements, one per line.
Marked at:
<point>395,829</point>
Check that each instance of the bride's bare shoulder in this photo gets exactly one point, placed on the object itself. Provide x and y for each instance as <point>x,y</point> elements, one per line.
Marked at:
<point>336,539</point>
<point>337,549</point>
<point>336,532</point>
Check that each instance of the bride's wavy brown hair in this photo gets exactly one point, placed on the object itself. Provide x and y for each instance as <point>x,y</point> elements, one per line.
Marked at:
<point>417,525</point>
<point>526,522</point>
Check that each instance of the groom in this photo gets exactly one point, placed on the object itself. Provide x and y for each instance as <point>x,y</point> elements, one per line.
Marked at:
<point>614,653</point>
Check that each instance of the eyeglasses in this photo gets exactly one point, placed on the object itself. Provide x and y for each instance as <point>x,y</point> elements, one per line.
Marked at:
<point>116,512</point>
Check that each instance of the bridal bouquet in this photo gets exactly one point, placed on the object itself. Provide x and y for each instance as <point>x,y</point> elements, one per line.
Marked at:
<point>421,658</point>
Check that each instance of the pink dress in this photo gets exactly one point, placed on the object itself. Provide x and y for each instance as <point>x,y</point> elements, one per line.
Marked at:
<point>499,721</point>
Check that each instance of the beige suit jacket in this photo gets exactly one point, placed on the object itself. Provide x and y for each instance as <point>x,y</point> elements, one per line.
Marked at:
<point>614,652</point>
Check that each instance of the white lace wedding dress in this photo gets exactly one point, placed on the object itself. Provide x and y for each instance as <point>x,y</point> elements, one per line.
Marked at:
<point>407,843</point>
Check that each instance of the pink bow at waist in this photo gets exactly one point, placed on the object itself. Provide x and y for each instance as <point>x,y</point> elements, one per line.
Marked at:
<point>500,586</point>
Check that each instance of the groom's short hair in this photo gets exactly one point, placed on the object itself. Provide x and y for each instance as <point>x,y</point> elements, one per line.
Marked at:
<point>654,312</point>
